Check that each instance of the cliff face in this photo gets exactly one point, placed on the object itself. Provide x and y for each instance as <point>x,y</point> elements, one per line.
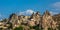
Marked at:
<point>48,21</point>
<point>56,18</point>
<point>45,21</point>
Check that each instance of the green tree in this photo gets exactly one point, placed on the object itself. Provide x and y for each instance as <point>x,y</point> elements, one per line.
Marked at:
<point>19,28</point>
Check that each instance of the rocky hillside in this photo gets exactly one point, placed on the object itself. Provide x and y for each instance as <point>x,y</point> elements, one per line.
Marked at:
<point>34,22</point>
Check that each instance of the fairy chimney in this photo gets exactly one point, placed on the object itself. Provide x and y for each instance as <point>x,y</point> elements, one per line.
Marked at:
<point>47,20</point>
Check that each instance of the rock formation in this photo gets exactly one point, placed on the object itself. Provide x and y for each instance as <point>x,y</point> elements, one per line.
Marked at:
<point>44,21</point>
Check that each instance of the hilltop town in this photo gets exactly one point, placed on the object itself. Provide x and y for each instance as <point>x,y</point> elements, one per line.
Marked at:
<point>34,22</point>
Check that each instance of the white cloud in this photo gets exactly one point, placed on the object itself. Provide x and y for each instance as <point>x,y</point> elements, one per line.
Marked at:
<point>27,12</point>
<point>53,13</point>
<point>56,5</point>
<point>54,8</point>
<point>1,17</point>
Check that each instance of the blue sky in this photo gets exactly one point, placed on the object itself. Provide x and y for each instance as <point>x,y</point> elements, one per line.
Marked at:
<point>25,6</point>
